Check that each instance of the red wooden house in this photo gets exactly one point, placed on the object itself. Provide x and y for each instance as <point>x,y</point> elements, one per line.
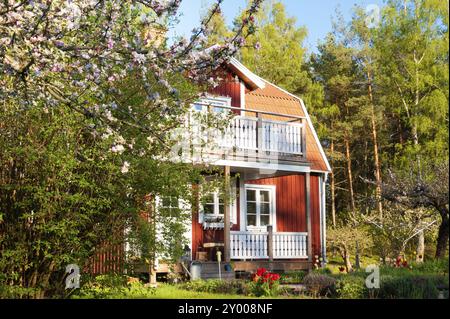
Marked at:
<point>277,170</point>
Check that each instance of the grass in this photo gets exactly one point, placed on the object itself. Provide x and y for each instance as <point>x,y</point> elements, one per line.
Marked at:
<point>166,291</point>
<point>163,291</point>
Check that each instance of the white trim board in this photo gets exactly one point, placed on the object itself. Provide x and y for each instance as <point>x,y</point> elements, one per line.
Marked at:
<point>264,166</point>
<point>251,77</point>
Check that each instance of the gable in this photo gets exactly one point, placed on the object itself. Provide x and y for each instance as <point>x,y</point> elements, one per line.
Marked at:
<point>248,91</point>
<point>276,100</point>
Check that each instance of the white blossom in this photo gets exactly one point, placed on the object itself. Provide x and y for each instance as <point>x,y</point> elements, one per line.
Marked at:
<point>118,149</point>
<point>125,167</point>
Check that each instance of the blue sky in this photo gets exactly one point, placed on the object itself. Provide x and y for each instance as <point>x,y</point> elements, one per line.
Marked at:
<point>314,14</point>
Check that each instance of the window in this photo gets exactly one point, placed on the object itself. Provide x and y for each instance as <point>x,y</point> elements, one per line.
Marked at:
<point>170,206</point>
<point>259,206</point>
<point>213,204</point>
<point>215,104</point>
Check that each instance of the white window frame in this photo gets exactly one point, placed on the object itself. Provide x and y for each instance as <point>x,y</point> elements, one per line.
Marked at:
<point>182,206</point>
<point>272,199</point>
<point>216,203</point>
<point>232,205</point>
<point>160,203</point>
<point>213,101</point>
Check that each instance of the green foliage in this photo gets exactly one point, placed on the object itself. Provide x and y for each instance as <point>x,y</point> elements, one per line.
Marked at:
<point>323,271</point>
<point>293,277</point>
<point>218,286</point>
<point>351,287</point>
<point>61,193</point>
<point>17,292</point>
<point>411,286</point>
<point>113,287</point>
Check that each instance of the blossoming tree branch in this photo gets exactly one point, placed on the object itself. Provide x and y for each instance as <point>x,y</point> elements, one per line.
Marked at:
<point>77,51</point>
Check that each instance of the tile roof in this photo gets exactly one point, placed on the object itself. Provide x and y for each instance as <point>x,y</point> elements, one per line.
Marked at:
<point>272,99</point>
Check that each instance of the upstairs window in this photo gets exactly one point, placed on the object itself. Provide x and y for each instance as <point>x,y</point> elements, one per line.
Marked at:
<point>214,104</point>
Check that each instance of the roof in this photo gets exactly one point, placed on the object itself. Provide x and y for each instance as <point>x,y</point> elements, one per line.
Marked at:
<point>271,98</point>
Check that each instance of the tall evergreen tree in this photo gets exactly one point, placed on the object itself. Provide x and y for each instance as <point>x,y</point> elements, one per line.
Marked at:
<point>412,45</point>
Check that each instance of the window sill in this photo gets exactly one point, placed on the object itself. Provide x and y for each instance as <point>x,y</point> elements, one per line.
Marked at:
<point>261,229</point>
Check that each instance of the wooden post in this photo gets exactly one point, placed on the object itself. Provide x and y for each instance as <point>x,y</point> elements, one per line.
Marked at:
<point>270,242</point>
<point>259,133</point>
<point>226,220</point>
<point>303,138</point>
<point>308,215</point>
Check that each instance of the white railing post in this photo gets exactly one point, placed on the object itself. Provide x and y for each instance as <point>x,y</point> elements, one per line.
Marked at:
<point>270,242</point>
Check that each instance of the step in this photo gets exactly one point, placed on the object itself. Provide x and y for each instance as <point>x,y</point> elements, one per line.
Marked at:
<point>225,276</point>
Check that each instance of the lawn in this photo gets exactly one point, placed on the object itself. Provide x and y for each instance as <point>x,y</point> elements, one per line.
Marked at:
<point>166,291</point>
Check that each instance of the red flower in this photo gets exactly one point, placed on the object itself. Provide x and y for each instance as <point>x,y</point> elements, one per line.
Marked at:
<point>405,264</point>
<point>261,271</point>
<point>275,277</point>
<point>341,269</point>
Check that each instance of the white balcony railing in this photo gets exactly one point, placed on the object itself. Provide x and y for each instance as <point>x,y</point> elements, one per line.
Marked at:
<point>246,245</point>
<point>252,134</point>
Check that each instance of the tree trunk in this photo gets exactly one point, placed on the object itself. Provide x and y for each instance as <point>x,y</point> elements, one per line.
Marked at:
<point>442,240</point>
<point>350,175</point>
<point>348,264</point>
<point>375,149</point>
<point>420,253</point>
<point>357,257</point>
<point>332,189</point>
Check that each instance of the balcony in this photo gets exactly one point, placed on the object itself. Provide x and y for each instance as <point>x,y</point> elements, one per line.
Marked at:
<point>257,135</point>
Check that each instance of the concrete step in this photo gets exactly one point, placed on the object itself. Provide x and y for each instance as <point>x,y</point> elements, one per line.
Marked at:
<point>225,276</point>
<point>212,266</point>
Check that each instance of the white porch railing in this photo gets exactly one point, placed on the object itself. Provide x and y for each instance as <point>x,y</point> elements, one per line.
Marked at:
<point>246,245</point>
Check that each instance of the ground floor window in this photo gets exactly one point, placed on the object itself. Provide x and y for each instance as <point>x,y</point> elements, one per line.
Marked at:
<point>260,206</point>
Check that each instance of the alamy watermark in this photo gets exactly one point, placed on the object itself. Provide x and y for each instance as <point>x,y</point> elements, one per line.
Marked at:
<point>73,277</point>
<point>373,279</point>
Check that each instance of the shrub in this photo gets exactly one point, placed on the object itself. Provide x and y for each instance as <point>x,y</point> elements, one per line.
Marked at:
<point>411,286</point>
<point>351,287</point>
<point>436,266</point>
<point>293,277</point>
<point>319,284</point>
<point>17,292</point>
<point>114,287</point>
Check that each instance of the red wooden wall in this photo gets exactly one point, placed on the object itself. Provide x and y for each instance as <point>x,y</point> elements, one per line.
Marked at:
<point>291,205</point>
<point>229,87</point>
<point>290,211</point>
